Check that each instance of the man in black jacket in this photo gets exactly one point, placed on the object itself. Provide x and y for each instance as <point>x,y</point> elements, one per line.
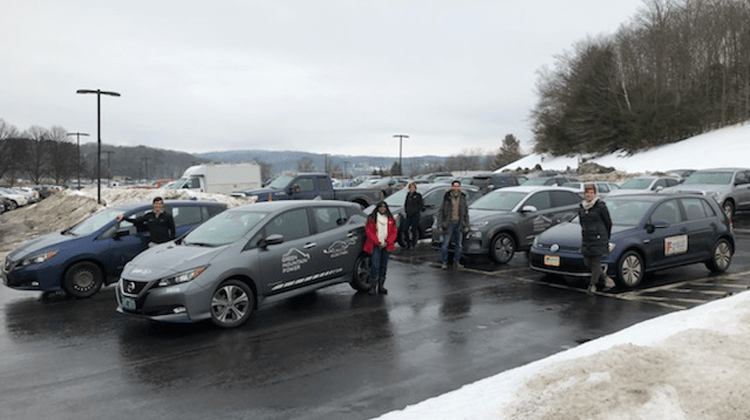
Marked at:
<point>453,221</point>
<point>413,210</point>
<point>160,223</point>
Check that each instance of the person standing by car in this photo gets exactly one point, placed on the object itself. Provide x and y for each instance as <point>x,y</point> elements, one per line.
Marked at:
<point>413,209</point>
<point>453,221</point>
<point>160,223</point>
<point>380,239</point>
<point>596,227</point>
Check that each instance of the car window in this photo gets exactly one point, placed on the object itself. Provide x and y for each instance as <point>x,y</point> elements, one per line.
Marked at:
<point>434,197</point>
<point>694,208</point>
<point>602,188</point>
<point>323,184</point>
<point>186,215</point>
<point>627,212</point>
<point>498,200</point>
<point>327,218</point>
<point>540,200</point>
<point>659,183</point>
<point>564,198</point>
<point>211,211</point>
<point>293,224</point>
<point>667,212</point>
<point>672,182</point>
<point>636,184</point>
<point>306,184</point>
<point>742,178</point>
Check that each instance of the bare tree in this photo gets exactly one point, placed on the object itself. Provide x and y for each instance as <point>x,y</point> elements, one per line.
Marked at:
<point>62,165</point>
<point>305,164</point>
<point>38,161</point>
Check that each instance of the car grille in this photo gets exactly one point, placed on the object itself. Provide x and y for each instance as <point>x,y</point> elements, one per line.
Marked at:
<point>132,288</point>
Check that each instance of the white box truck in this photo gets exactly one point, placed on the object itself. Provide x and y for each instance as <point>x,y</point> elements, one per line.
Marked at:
<point>219,178</point>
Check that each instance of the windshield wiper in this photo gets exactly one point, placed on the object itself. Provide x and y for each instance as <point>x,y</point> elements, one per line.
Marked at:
<point>202,244</point>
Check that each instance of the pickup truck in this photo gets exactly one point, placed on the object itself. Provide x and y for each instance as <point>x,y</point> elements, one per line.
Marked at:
<point>307,186</point>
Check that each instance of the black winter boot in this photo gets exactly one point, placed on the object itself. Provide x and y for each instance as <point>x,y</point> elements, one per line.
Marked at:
<point>382,288</point>
<point>373,286</point>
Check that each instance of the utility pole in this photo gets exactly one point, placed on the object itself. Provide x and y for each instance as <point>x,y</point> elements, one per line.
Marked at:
<point>78,158</point>
<point>99,94</point>
<point>109,167</point>
<point>401,137</point>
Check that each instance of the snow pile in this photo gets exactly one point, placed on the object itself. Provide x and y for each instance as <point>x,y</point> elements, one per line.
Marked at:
<point>720,148</point>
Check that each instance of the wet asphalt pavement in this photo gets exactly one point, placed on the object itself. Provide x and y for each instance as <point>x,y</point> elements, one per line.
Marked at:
<point>335,354</point>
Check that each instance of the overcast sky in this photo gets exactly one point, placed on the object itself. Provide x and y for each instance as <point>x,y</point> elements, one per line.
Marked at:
<point>337,77</point>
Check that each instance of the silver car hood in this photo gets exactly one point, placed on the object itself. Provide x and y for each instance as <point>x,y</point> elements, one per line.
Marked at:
<point>168,259</point>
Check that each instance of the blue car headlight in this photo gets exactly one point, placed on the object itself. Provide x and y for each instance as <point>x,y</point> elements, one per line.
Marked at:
<point>182,277</point>
<point>38,259</point>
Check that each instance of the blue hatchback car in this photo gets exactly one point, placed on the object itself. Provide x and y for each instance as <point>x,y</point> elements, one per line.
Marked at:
<point>649,232</point>
<point>81,259</point>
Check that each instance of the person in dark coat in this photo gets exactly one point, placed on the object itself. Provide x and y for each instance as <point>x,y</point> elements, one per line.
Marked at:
<point>413,210</point>
<point>453,221</point>
<point>160,223</point>
<point>596,227</point>
<point>380,239</point>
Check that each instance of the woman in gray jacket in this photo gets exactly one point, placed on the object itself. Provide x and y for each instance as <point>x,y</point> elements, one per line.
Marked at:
<point>596,227</point>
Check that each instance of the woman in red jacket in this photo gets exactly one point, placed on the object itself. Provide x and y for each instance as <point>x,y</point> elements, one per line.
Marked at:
<point>381,234</point>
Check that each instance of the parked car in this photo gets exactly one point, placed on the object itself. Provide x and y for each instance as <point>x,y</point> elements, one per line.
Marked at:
<point>32,195</point>
<point>558,180</point>
<point>505,221</point>
<point>602,187</point>
<point>492,181</point>
<point>432,195</point>
<point>650,232</point>
<point>16,199</point>
<point>646,183</point>
<point>245,258</point>
<point>92,253</point>
<point>730,187</point>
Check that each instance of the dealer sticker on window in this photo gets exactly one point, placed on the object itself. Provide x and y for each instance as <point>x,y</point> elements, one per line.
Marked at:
<point>553,260</point>
<point>675,245</point>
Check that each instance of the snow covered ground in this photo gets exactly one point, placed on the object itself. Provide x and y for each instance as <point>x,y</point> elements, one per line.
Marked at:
<point>724,147</point>
<point>688,365</point>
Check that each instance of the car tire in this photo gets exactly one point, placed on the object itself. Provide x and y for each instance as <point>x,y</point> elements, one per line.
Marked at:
<point>361,274</point>
<point>630,269</point>
<point>232,303</point>
<point>728,208</point>
<point>502,248</point>
<point>13,205</point>
<point>721,256</point>
<point>83,280</point>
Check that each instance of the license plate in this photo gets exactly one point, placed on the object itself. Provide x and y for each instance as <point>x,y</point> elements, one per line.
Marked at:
<point>128,303</point>
<point>552,260</point>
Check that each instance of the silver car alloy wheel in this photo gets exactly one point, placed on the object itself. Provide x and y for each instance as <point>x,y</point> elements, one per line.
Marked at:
<point>230,304</point>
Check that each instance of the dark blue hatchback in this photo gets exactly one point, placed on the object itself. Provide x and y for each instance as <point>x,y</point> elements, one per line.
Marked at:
<point>650,232</point>
<point>81,259</point>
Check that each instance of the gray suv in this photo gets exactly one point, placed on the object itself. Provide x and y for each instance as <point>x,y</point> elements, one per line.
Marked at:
<point>247,257</point>
<point>730,187</point>
<point>507,220</point>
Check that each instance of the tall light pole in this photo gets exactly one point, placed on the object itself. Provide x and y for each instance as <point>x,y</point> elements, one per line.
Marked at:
<point>99,94</point>
<point>109,167</point>
<point>401,137</point>
<point>78,159</point>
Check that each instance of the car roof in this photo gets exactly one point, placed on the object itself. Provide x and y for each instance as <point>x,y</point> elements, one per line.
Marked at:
<point>726,169</point>
<point>270,206</point>
<point>532,188</point>
<point>651,196</point>
<point>168,203</point>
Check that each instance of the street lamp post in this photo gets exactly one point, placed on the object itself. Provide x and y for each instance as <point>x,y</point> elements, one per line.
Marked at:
<point>99,94</point>
<point>78,158</point>
<point>401,137</point>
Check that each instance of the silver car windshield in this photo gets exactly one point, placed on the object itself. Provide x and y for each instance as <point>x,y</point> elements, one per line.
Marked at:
<point>627,212</point>
<point>224,228</point>
<point>711,178</point>
<point>94,222</point>
<point>398,198</point>
<point>637,184</point>
<point>501,200</point>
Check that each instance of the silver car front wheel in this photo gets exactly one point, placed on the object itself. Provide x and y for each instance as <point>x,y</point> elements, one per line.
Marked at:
<point>231,304</point>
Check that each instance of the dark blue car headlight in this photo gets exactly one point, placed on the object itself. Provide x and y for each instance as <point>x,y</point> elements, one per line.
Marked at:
<point>38,259</point>
<point>182,277</point>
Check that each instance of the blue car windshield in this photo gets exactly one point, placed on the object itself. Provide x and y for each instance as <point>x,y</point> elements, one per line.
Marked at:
<point>711,178</point>
<point>224,228</point>
<point>627,212</point>
<point>94,222</point>
<point>280,182</point>
<point>498,200</point>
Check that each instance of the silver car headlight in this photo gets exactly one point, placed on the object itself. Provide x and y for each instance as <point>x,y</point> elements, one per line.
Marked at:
<point>474,234</point>
<point>611,246</point>
<point>38,259</point>
<point>479,225</point>
<point>183,277</point>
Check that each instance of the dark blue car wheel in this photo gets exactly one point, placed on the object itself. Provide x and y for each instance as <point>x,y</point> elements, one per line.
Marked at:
<point>502,248</point>
<point>83,280</point>
<point>630,269</point>
<point>721,256</point>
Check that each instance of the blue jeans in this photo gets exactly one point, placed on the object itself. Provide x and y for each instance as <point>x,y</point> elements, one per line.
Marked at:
<point>454,232</point>
<point>378,263</point>
<point>411,224</point>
